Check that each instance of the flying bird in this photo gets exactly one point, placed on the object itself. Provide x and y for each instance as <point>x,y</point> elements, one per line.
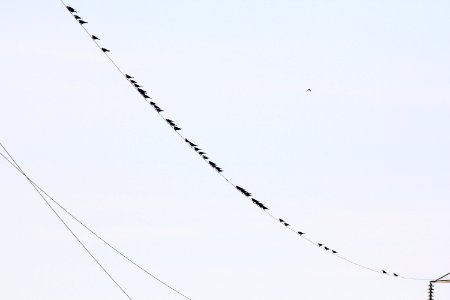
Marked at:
<point>105,50</point>
<point>71,9</point>
<point>95,38</point>
<point>82,22</point>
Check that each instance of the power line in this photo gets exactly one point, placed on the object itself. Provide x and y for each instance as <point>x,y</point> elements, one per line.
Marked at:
<point>219,170</point>
<point>14,164</point>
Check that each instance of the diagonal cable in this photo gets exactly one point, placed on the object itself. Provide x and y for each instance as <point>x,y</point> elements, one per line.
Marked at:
<point>14,164</point>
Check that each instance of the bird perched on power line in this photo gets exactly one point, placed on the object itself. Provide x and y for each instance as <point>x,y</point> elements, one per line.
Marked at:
<point>300,233</point>
<point>384,272</point>
<point>190,143</point>
<point>259,204</point>
<point>308,90</point>
<point>334,251</point>
<point>105,50</point>
<point>77,17</point>
<point>128,76</point>
<point>326,248</point>
<point>320,245</point>
<point>395,275</point>
<point>243,191</point>
<point>82,22</point>
<point>95,38</point>
<point>71,9</point>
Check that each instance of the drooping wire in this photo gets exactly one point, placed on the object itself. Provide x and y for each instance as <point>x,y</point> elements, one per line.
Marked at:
<point>218,169</point>
<point>17,166</point>
<point>14,164</point>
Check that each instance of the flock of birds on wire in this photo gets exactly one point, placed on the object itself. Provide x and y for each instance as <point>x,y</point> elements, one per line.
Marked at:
<point>196,148</point>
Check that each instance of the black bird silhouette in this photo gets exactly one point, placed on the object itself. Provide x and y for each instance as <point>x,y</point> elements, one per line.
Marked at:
<point>281,220</point>
<point>384,272</point>
<point>326,248</point>
<point>133,81</point>
<point>141,90</point>
<point>220,170</point>
<point>320,245</point>
<point>176,128</point>
<point>105,50</point>
<point>301,233</point>
<point>95,38</point>
<point>77,17</point>
<point>71,9</point>
<point>286,224</point>
<point>334,251</point>
<point>190,143</point>
<point>201,152</point>
<point>128,76</point>
<point>243,191</point>
<point>147,97</point>
<point>158,109</point>
<point>395,275</point>
<point>137,85</point>
<point>308,90</point>
<point>205,157</point>
<point>82,22</point>
<point>196,149</point>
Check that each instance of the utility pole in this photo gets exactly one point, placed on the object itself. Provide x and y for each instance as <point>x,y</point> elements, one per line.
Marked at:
<point>432,282</point>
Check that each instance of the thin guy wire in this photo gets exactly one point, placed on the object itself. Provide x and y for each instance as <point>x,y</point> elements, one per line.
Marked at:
<point>14,165</point>
<point>67,226</point>
<point>230,182</point>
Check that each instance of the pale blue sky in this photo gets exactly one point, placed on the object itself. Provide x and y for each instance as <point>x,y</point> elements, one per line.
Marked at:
<point>361,162</point>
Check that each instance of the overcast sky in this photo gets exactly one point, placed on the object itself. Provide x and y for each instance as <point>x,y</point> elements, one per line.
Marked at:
<point>360,163</point>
